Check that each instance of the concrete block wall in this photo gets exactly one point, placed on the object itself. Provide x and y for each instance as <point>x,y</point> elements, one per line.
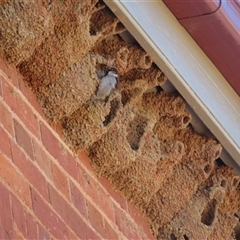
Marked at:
<point>47,192</point>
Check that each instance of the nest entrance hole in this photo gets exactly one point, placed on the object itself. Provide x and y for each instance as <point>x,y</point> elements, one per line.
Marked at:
<point>136,129</point>
<point>173,237</point>
<point>115,105</point>
<point>208,214</point>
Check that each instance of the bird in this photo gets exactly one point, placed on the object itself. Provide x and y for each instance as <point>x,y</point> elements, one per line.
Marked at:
<point>109,83</point>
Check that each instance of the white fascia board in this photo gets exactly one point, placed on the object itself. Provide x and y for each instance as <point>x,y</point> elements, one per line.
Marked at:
<point>187,67</point>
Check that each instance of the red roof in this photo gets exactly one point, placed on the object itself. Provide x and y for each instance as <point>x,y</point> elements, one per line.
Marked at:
<point>215,26</point>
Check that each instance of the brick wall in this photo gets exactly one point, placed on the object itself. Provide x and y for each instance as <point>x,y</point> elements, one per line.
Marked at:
<point>45,191</point>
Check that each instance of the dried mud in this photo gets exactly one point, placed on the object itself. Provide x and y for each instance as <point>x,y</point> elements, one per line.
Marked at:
<point>143,143</point>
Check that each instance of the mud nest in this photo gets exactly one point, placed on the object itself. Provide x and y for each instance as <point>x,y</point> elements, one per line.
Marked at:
<point>141,141</point>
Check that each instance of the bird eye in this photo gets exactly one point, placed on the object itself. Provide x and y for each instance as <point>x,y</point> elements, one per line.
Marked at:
<point>111,69</point>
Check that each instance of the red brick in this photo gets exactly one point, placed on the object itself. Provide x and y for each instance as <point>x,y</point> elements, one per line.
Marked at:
<point>10,72</point>
<point>93,189</point>
<point>19,215</point>
<point>30,96</point>
<point>65,159</point>
<point>23,138</point>
<point>5,143</point>
<point>140,221</point>
<point>95,219</point>
<point>91,234</point>
<point>29,170</point>
<point>1,92</point>
<point>109,232</point>
<point>42,159</point>
<point>20,107</point>
<point>126,225</point>
<point>57,127</point>
<point>105,203</point>
<point>6,222</point>
<point>43,234</point>
<point>78,200</point>
<point>15,181</point>
<point>67,213</point>
<point>31,225</point>
<point>18,234</point>
<point>1,231</point>
<point>87,183</point>
<point>116,196</point>
<point>60,181</point>
<point>73,236</point>
<point>48,217</point>
<point>84,160</point>
<point>6,118</point>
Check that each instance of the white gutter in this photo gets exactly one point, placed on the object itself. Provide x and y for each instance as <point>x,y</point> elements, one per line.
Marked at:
<point>187,67</point>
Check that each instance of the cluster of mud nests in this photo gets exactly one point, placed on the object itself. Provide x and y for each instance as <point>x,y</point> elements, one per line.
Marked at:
<point>142,142</point>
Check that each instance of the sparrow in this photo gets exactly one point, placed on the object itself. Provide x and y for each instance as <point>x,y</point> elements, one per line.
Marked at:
<point>108,84</point>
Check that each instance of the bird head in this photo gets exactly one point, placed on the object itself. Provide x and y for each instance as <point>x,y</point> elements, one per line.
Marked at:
<point>112,71</point>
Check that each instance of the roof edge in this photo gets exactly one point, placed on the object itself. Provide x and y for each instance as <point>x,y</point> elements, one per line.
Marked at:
<point>188,68</point>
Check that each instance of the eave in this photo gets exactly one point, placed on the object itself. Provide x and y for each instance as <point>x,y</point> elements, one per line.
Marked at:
<point>190,71</point>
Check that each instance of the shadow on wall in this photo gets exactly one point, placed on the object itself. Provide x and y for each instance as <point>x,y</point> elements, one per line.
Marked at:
<point>140,140</point>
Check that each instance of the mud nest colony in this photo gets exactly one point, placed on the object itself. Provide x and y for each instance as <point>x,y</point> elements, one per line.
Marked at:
<point>141,141</point>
